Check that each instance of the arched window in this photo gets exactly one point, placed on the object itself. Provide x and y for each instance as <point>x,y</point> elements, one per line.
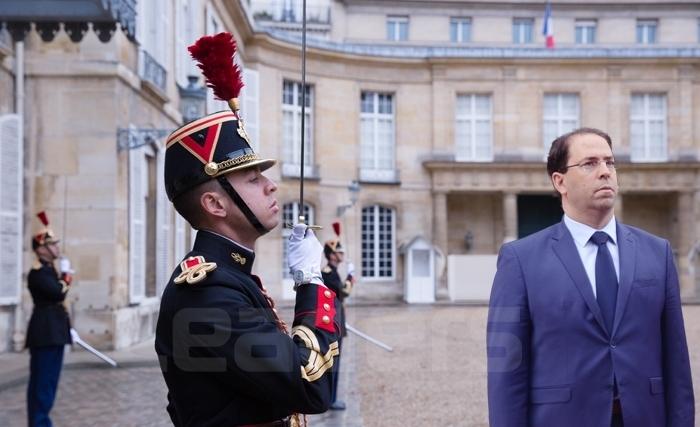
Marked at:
<point>378,247</point>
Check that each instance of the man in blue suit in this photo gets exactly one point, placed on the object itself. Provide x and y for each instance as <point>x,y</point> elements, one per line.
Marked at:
<point>585,325</point>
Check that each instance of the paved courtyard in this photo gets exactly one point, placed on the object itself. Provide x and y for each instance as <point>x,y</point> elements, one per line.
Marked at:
<point>434,377</point>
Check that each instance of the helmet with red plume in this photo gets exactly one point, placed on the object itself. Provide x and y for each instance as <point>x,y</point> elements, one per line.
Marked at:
<point>333,245</point>
<point>45,236</point>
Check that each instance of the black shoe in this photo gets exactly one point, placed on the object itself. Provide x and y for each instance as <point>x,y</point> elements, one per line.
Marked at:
<point>338,405</point>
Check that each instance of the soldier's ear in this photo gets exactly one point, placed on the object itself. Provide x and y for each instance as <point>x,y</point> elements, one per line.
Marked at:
<point>212,204</point>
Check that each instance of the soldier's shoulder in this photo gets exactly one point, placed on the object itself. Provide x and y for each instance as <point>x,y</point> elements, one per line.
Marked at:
<point>327,269</point>
<point>201,272</point>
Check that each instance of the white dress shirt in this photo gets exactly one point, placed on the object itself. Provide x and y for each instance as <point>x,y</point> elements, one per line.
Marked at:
<point>588,250</point>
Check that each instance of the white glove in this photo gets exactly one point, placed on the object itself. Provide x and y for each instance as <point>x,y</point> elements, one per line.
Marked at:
<point>351,269</point>
<point>64,266</point>
<point>304,253</point>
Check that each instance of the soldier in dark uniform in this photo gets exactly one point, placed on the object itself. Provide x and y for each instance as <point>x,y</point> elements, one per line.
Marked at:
<point>334,253</point>
<point>226,356</point>
<point>49,327</point>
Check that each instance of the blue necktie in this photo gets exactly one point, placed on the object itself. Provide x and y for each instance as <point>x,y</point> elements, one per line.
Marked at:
<point>605,279</point>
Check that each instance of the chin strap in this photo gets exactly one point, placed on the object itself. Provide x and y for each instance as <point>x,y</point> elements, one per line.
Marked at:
<point>238,200</point>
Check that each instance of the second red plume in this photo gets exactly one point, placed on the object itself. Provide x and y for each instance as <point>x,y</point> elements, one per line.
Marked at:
<point>42,217</point>
<point>336,228</point>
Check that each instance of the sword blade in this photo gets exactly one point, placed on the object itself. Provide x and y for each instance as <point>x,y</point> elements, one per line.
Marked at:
<point>91,349</point>
<point>368,338</point>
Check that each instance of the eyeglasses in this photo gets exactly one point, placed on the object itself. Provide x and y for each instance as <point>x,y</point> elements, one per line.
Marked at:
<point>590,165</point>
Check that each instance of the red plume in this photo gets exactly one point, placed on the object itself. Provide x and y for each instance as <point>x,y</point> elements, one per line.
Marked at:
<point>42,217</point>
<point>214,56</point>
<point>336,228</point>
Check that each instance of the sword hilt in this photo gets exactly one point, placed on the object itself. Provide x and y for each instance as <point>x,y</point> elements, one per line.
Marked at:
<point>302,220</point>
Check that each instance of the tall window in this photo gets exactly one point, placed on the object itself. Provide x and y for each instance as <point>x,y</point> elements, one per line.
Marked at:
<point>291,127</point>
<point>460,30</point>
<point>185,34</point>
<point>11,212</point>
<point>648,127</point>
<point>397,28</point>
<point>560,115</point>
<point>473,139</point>
<point>377,136</point>
<point>377,242</point>
<point>646,31</point>
<point>290,215</point>
<point>585,31</point>
<point>522,30</point>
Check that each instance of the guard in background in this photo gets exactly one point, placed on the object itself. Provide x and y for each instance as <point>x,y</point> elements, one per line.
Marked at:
<point>49,327</point>
<point>226,356</point>
<point>334,253</point>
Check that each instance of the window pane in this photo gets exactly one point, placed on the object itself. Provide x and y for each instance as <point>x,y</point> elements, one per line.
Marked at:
<point>453,31</point>
<point>637,105</point>
<point>648,127</point>
<point>651,34</point>
<point>473,140</point>
<point>656,105</point>
<point>403,31</point>
<point>367,102</point>
<point>482,104</point>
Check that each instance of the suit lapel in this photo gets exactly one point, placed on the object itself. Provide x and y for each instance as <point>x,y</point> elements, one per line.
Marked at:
<point>627,247</point>
<point>565,249</point>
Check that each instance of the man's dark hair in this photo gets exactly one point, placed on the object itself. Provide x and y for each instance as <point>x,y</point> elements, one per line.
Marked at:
<point>559,152</point>
<point>188,205</point>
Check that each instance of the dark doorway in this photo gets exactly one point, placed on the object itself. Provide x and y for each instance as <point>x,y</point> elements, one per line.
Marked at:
<point>536,212</point>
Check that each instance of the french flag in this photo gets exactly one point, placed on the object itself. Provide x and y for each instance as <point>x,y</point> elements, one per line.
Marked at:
<point>547,27</point>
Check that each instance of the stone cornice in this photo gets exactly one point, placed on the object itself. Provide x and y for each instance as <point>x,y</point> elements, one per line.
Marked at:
<point>532,177</point>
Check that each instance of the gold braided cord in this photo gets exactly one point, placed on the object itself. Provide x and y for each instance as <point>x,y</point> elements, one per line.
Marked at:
<point>297,420</point>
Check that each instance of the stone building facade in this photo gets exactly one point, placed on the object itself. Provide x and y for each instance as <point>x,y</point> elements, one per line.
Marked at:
<point>441,111</point>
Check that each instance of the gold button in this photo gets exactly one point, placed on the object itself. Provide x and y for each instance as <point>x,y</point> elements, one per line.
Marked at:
<point>326,319</point>
<point>327,307</point>
<point>327,294</point>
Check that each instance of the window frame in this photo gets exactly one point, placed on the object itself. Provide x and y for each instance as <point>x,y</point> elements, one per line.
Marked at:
<point>376,172</point>
<point>462,30</point>
<point>585,31</point>
<point>559,117</point>
<point>518,28</point>
<point>471,120</point>
<point>393,28</point>
<point>291,141</point>
<point>642,31</point>
<point>646,118</point>
<point>376,249</point>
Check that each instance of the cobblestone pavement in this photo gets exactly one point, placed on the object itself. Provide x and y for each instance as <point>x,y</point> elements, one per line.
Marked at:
<point>96,396</point>
<point>435,377</point>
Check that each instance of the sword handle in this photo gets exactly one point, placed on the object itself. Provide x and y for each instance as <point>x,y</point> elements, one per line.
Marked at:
<point>302,220</point>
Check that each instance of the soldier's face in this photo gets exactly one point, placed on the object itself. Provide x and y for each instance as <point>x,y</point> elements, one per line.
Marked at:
<point>258,192</point>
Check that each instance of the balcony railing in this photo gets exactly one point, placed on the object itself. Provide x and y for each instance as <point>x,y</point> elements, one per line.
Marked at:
<point>152,72</point>
<point>290,12</point>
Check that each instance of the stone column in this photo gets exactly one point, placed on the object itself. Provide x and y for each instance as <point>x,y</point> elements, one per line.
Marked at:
<point>440,231</point>
<point>510,216</point>
<point>686,240</point>
<point>440,221</point>
<point>618,207</point>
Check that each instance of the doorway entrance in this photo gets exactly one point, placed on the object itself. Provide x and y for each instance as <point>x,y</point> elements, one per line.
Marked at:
<point>536,212</point>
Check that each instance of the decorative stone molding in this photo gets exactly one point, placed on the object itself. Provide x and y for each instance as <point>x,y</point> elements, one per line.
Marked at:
<point>518,177</point>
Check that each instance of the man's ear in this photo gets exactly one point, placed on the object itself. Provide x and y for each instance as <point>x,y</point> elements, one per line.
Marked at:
<point>558,182</point>
<point>212,204</point>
